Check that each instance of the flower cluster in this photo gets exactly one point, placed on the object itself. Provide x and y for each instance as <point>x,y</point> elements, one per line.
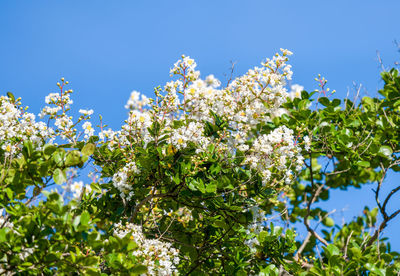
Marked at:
<point>189,103</point>
<point>159,257</point>
<point>58,106</point>
<point>121,182</point>
<point>185,66</point>
<point>255,227</point>
<point>17,126</point>
<point>137,101</point>
<point>77,188</point>
<point>273,152</point>
<point>191,133</point>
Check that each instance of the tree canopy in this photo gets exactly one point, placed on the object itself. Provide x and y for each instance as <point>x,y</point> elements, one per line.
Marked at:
<point>204,178</point>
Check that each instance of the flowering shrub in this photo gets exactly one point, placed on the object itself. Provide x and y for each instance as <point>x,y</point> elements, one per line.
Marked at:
<point>193,180</point>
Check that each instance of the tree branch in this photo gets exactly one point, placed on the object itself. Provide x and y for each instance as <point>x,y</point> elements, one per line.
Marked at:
<point>316,194</point>
<point>144,201</point>
<point>381,227</point>
<point>392,192</point>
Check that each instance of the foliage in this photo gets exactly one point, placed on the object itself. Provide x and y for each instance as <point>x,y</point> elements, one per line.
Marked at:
<point>200,180</point>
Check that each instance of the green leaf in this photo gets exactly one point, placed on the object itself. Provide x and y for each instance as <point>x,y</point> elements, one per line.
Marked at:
<point>3,235</point>
<point>329,222</point>
<point>58,156</point>
<point>73,158</point>
<point>241,273</point>
<point>211,188</point>
<point>332,250</point>
<point>76,221</point>
<point>324,101</point>
<point>270,270</point>
<point>131,246</point>
<point>304,104</point>
<point>28,148</point>
<point>374,212</point>
<point>376,270</point>
<point>355,123</point>
<point>48,149</point>
<point>364,164</point>
<point>85,217</point>
<point>25,264</point>
<point>262,236</point>
<point>388,258</point>
<point>9,193</point>
<point>304,95</point>
<point>11,96</point>
<point>397,103</point>
<point>385,151</point>
<point>368,101</point>
<point>88,149</point>
<point>90,261</point>
<point>59,176</point>
<point>139,269</point>
<point>335,102</point>
<point>176,179</point>
<point>356,252</point>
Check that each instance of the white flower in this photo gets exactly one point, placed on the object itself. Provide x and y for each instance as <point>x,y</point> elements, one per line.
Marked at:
<point>295,91</point>
<point>76,189</point>
<point>307,143</point>
<point>86,112</point>
<point>52,98</point>
<point>88,129</point>
<point>159,257</point>
<point>107,134</point>
<point>137,101</point>
<point>212,81</point>
<point>17,125</point>
<point>286,52</point>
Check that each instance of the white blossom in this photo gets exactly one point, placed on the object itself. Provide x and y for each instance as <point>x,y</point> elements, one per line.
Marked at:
<point>86,112</point>
<point>77,188</point>
<point>159,257</point>
<point>88,129</point>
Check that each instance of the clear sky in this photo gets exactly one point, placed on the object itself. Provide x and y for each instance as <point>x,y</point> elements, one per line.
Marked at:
<point>106,49</point>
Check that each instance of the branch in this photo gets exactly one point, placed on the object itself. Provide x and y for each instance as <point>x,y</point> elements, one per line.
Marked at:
<point>378,188</point>
<point>382,208</point>
<point>302,246</point>
<point>346,245</point>
<point>316,194</point>
<point>388,197</point>
<point>338,172</point>
<point>144,201</point>
<point>231,74</point>
<point>381,227</point>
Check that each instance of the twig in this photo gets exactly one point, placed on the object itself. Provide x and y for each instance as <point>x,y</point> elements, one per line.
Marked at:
<point>346,245</point>
<point>378,188</point>
<point>388,197</point>
<point>144,201</point>
<point>381,227</point>
<point>302,246</point>
<point>231,74</point>
<point>316,194</point>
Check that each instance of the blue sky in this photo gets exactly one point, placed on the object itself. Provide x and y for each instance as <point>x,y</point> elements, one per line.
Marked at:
<point>106,49</point>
